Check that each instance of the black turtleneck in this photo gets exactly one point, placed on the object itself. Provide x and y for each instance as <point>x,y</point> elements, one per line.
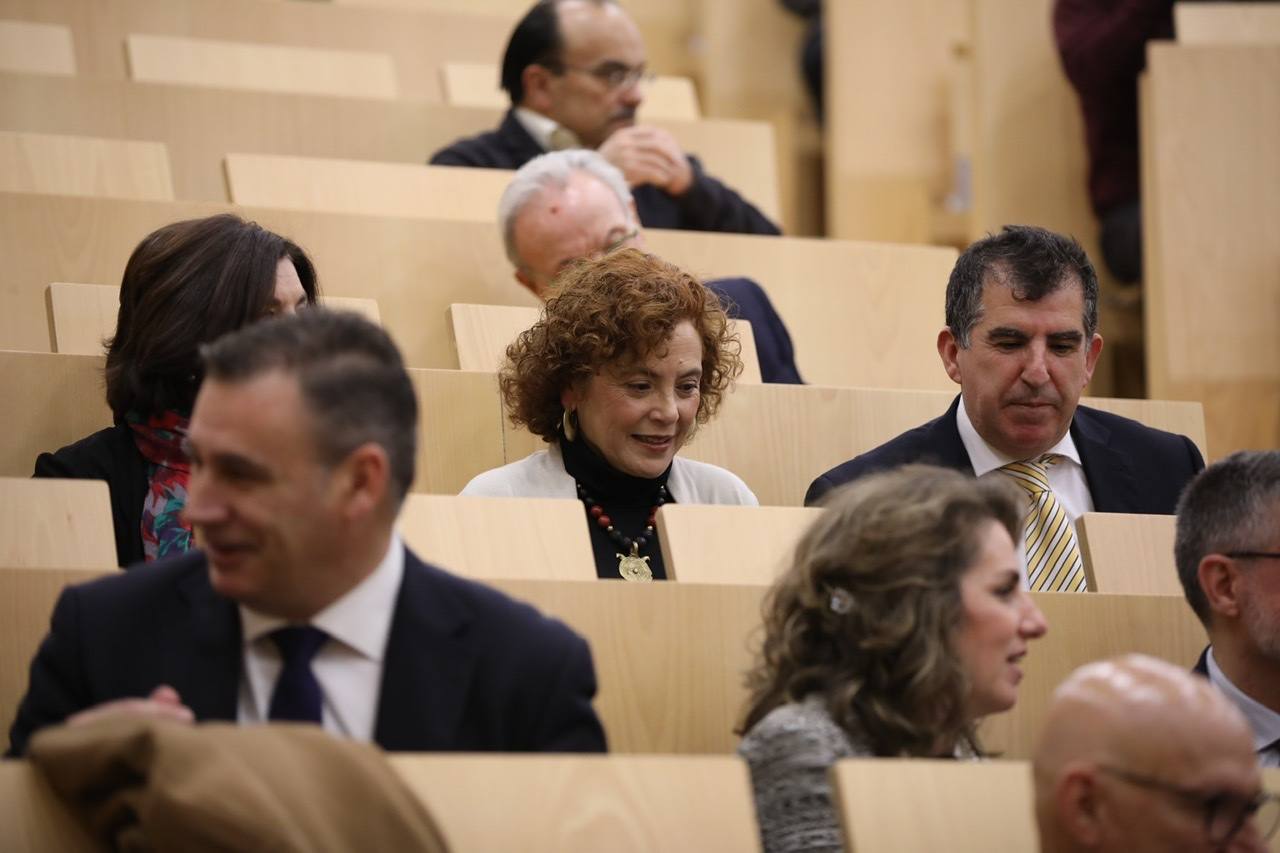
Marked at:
<point>627,500</point>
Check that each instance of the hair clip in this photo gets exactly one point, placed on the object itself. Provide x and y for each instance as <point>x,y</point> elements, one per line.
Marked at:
<point>841,601</point>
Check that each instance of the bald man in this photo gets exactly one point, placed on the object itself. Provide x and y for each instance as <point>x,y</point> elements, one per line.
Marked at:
<point>1140,755</point>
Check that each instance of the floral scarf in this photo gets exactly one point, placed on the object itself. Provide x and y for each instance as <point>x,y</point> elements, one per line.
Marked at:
<point>160,441</point>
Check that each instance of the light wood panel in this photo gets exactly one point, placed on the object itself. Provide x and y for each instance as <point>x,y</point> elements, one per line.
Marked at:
<point>482,333</point>
<point>1211,196</point>
<point>485,538</point>
<point>669,657</point>
<point>730,544</point>
<point>27,596</point>
<point>1130,553</point>
<point>418,41</point>
<point>365,188</point>
<point>459,431</point>
<point>1084,628</point>
<point>57,399</point>
<point>476,84</point>
<point>56,524</point>
<point>32,818</point>
<point>83,316</point>
<point>1227,23</point>
<point>585,803</point>
<point>886,73</point>
<point>263,67</point>
<point>889,805</point>
<point>81,165</point>
<point>36,48</point>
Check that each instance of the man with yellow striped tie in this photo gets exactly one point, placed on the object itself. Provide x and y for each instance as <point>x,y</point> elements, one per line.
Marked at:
<point>1021,341</point>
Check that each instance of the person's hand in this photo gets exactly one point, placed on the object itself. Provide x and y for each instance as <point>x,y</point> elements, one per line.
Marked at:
<point>164,703</point>
<point>649,155</point>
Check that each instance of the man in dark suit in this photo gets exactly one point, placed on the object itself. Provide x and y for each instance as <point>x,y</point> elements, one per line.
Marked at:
<point>574,69</point>
<point>567,205</point>
<point>1021,341</point>
<point>303,604</point>
<point>1228,552</point>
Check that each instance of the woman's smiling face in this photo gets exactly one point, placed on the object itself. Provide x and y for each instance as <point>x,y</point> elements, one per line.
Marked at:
<point>637,415</point>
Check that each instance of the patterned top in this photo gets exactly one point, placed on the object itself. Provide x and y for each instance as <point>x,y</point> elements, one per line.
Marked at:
<point>790,752</point>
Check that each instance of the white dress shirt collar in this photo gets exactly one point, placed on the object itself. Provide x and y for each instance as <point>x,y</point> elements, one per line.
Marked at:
<point>1264,721</point>
<point>986,458</point>
<point>360,619</point>
<point>547,132</point>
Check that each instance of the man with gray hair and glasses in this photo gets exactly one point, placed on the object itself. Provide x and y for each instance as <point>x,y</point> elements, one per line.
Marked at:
<point>1140,755</point>
<point>1228,555</point>
<point>564,206</point>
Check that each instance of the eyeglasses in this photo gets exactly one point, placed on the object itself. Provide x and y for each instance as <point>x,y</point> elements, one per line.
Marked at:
<point>615,245</point>
<point>1254,555</point>
<point>1224,814</point>
<point>614,75</point>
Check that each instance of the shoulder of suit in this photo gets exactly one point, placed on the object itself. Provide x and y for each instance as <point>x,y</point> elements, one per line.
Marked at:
<point>1123,425</point>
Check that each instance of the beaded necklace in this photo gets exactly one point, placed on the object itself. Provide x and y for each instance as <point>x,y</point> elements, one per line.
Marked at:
<point>631,566</point>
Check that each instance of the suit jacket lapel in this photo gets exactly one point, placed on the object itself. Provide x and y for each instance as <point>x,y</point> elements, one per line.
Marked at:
<point>428,664</point>
<point>519,144</point>
<point>211,687</point>
<point>1112,483</point>
<point>945,447</point>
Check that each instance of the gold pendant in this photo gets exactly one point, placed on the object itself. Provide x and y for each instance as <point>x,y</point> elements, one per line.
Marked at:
<point>633,567</point>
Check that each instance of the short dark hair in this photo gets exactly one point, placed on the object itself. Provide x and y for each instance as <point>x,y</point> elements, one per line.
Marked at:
<point>351,376</point>
<point>186,284</point>
<point>1225,508</point>
<point>1033,261</point>
<point>536,40</point>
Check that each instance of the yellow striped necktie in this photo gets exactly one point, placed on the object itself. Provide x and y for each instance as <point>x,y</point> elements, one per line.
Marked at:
<point>1053,555</point>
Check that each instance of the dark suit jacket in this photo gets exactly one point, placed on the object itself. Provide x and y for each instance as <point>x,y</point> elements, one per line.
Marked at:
<point>466,668</point>
<point>743,299</point>
<point>1129,467</point>
<point>109,455</point>
<point>707,206</point>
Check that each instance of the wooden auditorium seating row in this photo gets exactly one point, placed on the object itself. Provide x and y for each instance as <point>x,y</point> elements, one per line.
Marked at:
<point>82,316</point>
<point>859,314</point>
<point>670,657</point>
<point>778,438</point>
<point>576,804</point>
<point>222,64</point>
<point>201,125</point>
<point>481,334</point>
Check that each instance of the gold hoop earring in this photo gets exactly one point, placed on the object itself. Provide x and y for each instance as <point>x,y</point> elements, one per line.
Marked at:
<point>566,424</point>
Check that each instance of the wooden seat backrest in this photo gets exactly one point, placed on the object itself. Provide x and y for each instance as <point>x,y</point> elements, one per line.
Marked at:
<point>730,544</point>
<point>1125,552</point>
<point>61,164</point>
<point>585,803</point>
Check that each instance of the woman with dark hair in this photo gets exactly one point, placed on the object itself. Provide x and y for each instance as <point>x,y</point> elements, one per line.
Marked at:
<point>184,285</point>
<point>630,354</point>
<point>901,623</point>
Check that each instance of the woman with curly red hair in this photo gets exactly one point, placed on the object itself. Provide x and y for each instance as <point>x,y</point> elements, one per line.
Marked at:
<point>629,356</point>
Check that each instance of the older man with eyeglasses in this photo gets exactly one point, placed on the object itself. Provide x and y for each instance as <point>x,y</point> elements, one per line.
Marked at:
<point>574,70</point>
<point>1228,554</point>
<point>1140,755</point>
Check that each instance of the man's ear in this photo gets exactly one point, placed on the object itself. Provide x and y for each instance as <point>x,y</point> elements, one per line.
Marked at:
<point>527,282</point>
<point>536,80</point>
<point>363,481</point>
<point>1091,357</point>
<point>1219,579</point>
<point>949,352</point>
<point>1076,799</point>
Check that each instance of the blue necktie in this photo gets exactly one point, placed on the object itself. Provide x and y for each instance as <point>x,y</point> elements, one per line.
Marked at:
<point>297,695</point>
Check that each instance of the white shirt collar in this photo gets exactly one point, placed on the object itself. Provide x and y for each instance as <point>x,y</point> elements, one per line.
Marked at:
<point>986,458</point>
<point>360,619</point>
<point>1264,721</point>
<point>548,133</point>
